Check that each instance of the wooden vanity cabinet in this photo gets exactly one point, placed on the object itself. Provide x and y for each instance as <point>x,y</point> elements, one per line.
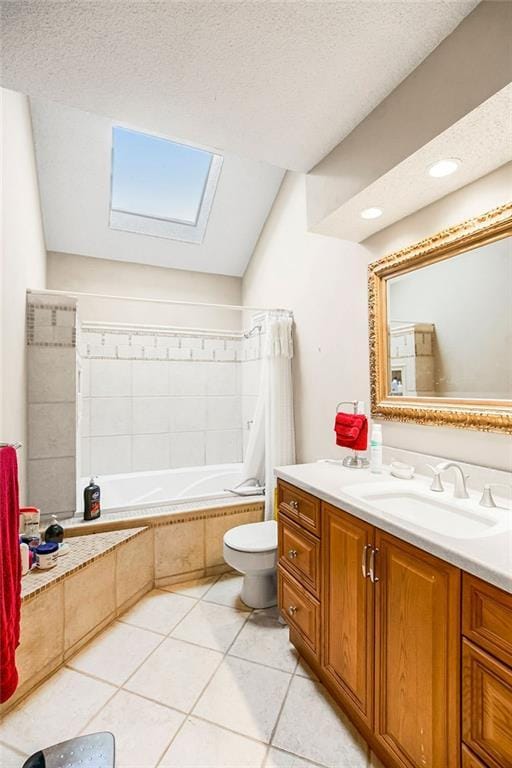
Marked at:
<point>487,674</point>
<point>387,645</point>
<point>417,656</point>
<point>348,609</point>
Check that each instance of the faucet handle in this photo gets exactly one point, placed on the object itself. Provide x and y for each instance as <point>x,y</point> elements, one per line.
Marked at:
<point>437,485</point>
<point>487,499</point>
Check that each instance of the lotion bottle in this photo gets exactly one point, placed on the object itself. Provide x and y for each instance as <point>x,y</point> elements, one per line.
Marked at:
<point>376,449</point>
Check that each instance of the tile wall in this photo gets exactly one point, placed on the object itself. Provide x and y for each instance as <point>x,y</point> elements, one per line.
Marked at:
<point>51,387</point>
<point>153,399</point>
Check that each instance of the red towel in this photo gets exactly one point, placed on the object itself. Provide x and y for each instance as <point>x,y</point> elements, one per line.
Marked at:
<point>351,431</point>
<point>10,572</point>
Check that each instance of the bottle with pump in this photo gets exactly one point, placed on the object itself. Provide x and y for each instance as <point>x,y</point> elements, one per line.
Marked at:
<point>376,449</point>
<point>92,508</point>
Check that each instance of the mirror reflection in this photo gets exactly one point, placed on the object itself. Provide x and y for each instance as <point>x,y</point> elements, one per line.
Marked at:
<point>450,327</point>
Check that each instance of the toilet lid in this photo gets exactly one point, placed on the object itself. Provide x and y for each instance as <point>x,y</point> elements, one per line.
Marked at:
<point>253,537</point>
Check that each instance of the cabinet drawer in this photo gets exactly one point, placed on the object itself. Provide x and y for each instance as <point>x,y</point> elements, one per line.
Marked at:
<point>487,707</point>
<point>469,760</point>
<point>487,617</point>
<point>299,552</point>
<point>300,609</point>
<point>301,506</point>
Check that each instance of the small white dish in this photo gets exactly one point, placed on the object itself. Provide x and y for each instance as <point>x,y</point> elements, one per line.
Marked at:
<point>401,470</point>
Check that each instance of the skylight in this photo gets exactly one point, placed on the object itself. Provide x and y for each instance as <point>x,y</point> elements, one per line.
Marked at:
<point>160,187</point>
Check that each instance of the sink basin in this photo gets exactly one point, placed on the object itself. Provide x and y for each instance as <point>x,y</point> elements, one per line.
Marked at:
<point>440,513</point>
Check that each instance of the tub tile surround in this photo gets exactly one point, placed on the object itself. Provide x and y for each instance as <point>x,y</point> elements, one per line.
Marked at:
<point>177,703</point>
<point>155,398</point>
<point>52,402</point>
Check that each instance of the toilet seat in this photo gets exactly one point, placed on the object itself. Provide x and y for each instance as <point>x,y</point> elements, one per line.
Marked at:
<point>253,537</point>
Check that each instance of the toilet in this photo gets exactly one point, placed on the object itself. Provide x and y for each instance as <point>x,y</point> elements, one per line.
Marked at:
<point>252,550</point>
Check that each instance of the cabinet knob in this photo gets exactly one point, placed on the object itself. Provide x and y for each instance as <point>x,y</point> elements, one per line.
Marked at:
<point>292,553</point>
<point>294,505</point>
<point>292,610</point>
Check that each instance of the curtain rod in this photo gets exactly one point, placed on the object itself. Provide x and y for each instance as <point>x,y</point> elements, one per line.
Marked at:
<point>49,292</point>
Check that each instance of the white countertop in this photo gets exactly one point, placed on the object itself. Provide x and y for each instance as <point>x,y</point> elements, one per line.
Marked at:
<point>488,556</point>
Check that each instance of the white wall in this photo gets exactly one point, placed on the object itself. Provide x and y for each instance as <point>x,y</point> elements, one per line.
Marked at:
<point>323,281</point>
<point>23,265</point>
<point>81,273</point>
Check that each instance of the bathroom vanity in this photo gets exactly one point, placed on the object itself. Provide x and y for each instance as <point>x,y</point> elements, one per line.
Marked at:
<point>408,626</point>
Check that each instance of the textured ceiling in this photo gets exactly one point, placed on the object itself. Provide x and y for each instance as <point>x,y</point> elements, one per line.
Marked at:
<point>73,153</point>
<point>482,141</point>
<point>282,82</point>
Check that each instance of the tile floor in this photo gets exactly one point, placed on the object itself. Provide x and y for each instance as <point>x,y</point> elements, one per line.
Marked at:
<point>190,678</point>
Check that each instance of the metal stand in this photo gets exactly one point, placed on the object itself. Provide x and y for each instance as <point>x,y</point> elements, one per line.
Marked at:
<point>355,461</point>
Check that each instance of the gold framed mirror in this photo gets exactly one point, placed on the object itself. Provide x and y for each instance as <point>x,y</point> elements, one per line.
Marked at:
<point>440,316</point>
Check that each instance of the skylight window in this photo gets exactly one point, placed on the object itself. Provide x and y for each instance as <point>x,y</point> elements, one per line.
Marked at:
<point>160,187</point>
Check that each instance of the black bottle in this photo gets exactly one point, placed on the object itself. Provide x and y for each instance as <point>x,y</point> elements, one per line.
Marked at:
<point>54,533</point>
<point>92,508</point>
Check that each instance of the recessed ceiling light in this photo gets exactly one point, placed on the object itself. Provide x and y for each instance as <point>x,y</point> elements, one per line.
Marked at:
<point>443,167</point>
<point>371,213</point>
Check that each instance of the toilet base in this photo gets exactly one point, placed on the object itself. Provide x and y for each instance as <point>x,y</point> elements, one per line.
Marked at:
<point>259,590</point>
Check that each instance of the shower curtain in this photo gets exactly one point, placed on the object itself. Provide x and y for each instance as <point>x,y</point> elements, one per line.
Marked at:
<point>272,438</point>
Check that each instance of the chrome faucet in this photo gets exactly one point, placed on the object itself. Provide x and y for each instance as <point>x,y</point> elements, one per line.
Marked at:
<point>460,490</point>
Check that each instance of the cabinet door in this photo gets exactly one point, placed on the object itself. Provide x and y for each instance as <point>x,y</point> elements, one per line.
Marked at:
<point>487,706</point>
<point>347,602</point>
<point>417,712</point>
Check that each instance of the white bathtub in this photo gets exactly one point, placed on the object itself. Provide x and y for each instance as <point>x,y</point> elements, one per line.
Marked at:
<point>169,486</point>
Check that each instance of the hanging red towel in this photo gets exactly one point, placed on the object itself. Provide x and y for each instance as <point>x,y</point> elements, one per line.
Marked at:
<point>351,431</point>
<point>10,572</point>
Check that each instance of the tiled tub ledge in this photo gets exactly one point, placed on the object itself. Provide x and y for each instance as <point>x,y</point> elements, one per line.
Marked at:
<point>83,550</point>
<point>188,537</point>
<point>111,564</point>
<point>100,577</point>
<point>157,515</point>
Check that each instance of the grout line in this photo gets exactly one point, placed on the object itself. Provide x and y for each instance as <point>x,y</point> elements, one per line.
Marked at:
<point>14,749</point>
<point>121,687</point>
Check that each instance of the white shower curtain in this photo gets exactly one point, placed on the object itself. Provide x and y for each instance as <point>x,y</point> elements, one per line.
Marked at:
<point>272,438</point>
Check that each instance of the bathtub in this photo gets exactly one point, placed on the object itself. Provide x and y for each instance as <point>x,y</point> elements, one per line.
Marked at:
<point>141,490</point>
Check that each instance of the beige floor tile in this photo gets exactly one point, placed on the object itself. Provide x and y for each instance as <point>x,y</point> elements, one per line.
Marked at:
<point>204,745</point>
<point>278,759</point>
<point>175,674</point>
<point>11,759</point>
<point>195,588</point>
<point>264,640</point>
<point>312,726</point>
<point>142,729</point>
<point>244,697</point>
<point>158,611</point>
<point>375,762</point>
<point>116,653</point>
<point>226,591</point>
<point>304,670</point>
<point>56,711</point>
<point>214,626</point>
